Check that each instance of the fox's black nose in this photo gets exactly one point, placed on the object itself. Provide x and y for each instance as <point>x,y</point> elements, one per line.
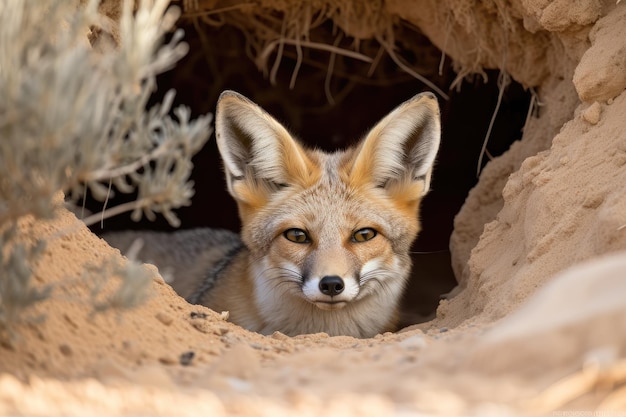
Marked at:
<point>331,285</point>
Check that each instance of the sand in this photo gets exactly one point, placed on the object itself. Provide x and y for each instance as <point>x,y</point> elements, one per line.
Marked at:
<point>538,323</point>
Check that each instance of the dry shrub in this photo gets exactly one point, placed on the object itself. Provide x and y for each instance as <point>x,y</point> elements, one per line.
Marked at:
<point>73,118</point>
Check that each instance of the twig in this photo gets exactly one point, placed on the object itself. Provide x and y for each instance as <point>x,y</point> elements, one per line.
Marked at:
<point>106,201</point>
<point>377,58</point>
<point>279,54</point>
<point>329,72</point>
<point>105,174</point>
<point>114,211</point>
<point>531,108</point>
<point>294,75</point>
<point>505,82</point>
<point>216,11</point>
<point>314,45</point>
<point>445,44</point>
<point>409,70</point>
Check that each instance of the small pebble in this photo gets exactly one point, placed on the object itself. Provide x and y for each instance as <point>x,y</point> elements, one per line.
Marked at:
<point>279,336</point>
<point>65,350</point>
<point>167,360</point>
<point>164,318</point>
<point>414,342</point>
<point>592,113</point>
<point>186,358</point>
<point>203,326</point>
<point>221,330</point>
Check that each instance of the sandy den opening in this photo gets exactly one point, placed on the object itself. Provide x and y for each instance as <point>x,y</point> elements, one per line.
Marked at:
<point>329,101</point>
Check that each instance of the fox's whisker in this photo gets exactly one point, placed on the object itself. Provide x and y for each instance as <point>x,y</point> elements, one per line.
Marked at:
<point>432,252</point>
<point>287,280</point>
<point>285,273</point>
<point>379,279</point>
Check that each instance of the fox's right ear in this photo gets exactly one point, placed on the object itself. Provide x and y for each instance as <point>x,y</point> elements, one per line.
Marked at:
<point>259,154</point>
<point>399,152</point>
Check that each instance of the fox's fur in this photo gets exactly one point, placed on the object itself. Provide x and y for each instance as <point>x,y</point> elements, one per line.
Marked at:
<point>325,236</point>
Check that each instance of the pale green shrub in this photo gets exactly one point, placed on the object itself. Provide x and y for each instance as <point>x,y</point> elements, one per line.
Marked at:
<point>73,118</point>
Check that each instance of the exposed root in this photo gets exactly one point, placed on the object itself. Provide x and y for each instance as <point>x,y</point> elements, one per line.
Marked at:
<point>329,72</point>
<point>207,13</point>
<point>279,55</point>
<point>531,108</point>
<point>445,44</point>
<point>269,28</point>
<point>409,70</point>
<point>377,58</point>
<point>313,45</point>
<point>294,75</point>
<point>503,82</point>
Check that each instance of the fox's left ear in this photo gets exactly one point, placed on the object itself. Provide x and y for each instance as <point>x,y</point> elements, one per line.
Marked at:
<point>399,152</point>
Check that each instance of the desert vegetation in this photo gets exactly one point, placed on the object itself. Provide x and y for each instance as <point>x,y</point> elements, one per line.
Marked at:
<point>75,118</point>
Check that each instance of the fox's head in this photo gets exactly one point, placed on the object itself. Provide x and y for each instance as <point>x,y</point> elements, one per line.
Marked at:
<point>329,233</point>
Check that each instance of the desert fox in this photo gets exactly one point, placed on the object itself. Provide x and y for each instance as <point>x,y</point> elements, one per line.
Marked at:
<point>325,238</point>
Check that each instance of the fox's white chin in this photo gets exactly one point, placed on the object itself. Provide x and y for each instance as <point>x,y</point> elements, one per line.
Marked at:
<point>329,306</point>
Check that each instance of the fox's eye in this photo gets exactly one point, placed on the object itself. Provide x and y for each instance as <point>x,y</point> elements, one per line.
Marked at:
<point>296,235</point>
<point>363,235</point>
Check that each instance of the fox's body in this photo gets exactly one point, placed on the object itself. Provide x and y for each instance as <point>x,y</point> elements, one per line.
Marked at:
<point>325,236</point>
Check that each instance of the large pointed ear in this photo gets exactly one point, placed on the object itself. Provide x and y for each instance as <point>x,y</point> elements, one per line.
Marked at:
<point>399,152</point>
<point>259,155</point>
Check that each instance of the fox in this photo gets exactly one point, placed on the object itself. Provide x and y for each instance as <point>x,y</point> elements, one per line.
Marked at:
<point>325,238</point>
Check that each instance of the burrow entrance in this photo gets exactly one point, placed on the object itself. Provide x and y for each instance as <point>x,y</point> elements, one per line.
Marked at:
<point>330,100</point>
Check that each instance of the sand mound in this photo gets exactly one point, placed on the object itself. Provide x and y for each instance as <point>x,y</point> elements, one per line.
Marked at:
<point>537,325</point>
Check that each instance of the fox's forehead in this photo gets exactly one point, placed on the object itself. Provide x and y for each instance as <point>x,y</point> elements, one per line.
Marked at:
<point>331,203</point>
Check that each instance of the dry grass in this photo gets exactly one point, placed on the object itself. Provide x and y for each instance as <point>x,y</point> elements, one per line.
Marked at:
<point>271,27</point>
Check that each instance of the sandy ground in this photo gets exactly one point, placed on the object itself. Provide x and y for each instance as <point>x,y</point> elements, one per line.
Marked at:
<point>170,358</point>
<point>538,326</point>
